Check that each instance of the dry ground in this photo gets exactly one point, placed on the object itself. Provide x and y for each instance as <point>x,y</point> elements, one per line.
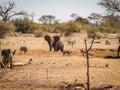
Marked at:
<point>51,68</point>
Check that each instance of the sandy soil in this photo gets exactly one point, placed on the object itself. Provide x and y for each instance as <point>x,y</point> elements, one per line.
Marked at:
<point>51,68</point>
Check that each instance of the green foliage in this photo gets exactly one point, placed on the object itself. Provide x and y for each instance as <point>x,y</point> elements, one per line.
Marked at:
<point>60,27</point>
<point>107,28</point>
<point>6,27</point>
<point>72,27</point>
<point>82,20</point>
<point>25,25</point>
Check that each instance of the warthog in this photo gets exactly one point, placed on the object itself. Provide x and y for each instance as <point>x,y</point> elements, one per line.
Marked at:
<point>24,49</point>
<point>91,53</point>
<point>71,42</point>
<point>67,52</point>
<point>7,58</point>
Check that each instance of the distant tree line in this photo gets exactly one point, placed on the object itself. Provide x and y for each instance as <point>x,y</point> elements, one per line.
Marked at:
<point>10,22</point>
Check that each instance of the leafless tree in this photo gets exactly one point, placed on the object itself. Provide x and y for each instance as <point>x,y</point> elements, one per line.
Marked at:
<point>87,57</point>
<point>111,6</point>
<point>7,11</point>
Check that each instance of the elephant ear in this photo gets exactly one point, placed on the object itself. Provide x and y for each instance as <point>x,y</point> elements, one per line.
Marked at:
<point>56,38</point>
<point>47,38</point>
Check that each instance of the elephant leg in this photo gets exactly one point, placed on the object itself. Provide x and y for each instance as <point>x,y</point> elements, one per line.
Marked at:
<point>117,53</point>
<point>2,65</point>
<point>59,46</point>
<point>50,48</point>
<point>62,49</point>
<point>118,50</point>
<point>11,63</point>
<point>54,48</point>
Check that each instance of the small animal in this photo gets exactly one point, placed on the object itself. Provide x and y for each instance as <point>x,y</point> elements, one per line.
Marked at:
<point>91,53</point>
<point>67,52</point>
<point>24,49</point>
<point>107,42</point>
<point>71,42</point>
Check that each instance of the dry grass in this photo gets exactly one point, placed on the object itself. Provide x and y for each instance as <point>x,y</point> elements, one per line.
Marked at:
<point>58,68</point>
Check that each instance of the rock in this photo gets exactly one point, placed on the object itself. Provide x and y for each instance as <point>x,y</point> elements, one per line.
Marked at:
<point>79,88</point>
<point>18,64</point>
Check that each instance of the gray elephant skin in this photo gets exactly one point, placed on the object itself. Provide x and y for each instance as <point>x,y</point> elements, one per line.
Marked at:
<point>54,42</point>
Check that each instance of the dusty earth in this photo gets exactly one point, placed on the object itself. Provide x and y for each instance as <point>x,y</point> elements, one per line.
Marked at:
<point>49,69</point>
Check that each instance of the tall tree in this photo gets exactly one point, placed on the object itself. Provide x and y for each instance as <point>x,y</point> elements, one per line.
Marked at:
<point>7,11</point>
<point>111,6</point>
<point>79,19</point>
<point>112,21</point>
<point>82,20</point>
<point>74,16</point>
<point>95,18</point>
<point>47,19</point>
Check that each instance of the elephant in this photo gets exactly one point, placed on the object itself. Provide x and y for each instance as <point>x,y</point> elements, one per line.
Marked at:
<point>54,42</point>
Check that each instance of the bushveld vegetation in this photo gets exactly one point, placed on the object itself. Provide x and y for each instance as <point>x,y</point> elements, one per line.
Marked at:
<point>48,23</point>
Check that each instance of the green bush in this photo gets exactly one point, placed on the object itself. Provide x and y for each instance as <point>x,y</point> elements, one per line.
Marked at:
<point>6,27</point>
<point>107,28</point>
<point>25,25</point>
<point>72,27</point>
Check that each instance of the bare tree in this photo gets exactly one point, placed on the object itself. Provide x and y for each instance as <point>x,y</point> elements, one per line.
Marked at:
<point>111,6</point>
<point>87,57</point>
<point>7,11</point>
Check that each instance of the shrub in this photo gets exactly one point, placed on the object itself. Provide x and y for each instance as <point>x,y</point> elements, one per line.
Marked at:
<point>38,33</point>
<point>72,27</point>
<point>100,35</point>
<point>6,27</point>
<point>25,25</point>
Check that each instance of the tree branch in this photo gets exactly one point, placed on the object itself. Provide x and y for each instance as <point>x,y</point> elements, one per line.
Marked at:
<point>92,42</point>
